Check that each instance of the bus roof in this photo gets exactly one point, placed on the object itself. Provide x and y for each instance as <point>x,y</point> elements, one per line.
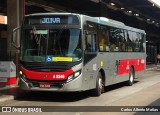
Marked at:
<point>99,20</point>
<point>113,23</point>
<point>40,14</point>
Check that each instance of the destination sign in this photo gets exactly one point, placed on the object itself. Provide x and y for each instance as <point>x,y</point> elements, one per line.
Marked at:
<point>51,20</point>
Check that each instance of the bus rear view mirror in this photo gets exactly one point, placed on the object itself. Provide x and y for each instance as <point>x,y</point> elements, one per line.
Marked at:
<point>15,37</point>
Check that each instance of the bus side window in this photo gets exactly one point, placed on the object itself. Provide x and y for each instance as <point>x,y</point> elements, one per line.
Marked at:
<point>142,43</point>
<point>103,38</point>
<point>91,42</point>
<point>129,41</point>
<point>114,38</point>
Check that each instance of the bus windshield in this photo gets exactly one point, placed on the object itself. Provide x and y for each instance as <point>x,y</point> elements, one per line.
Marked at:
<point>51,45</point>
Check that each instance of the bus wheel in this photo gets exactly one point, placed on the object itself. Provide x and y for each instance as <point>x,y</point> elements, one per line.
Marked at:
<point>99,86</point>
<point>131,77</point>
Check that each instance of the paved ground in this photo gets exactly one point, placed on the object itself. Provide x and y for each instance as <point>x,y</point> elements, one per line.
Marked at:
<point>145,92</point>
<point>10,92</point>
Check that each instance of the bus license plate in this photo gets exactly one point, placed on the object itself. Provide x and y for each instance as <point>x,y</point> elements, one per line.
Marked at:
<point>44,85</point>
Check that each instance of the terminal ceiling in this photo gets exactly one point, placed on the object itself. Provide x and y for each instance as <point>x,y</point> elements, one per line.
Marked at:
<point>142,11</point>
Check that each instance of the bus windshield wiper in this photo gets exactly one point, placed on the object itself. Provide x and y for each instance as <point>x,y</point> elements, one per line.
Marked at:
<point>58,36</point>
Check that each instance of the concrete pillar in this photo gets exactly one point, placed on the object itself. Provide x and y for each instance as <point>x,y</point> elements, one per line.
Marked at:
<point>15,12</point>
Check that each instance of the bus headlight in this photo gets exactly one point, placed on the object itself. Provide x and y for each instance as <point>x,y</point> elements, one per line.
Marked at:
<point>73,76</point>
<point>70,78</point>
<point>20,72</point>
<point>76,74</point>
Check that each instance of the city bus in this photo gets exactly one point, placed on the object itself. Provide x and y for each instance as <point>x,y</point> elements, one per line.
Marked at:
<point>69,52</point>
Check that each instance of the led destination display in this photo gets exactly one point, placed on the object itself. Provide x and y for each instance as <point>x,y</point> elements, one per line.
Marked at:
<point>52,20</point>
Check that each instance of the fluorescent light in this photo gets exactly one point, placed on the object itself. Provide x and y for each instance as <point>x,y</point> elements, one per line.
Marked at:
<point>113,4</point>
<point>129,12</point>
<point>112,7</point>
<point>155,2</point>
<point>148,19</point>
<point>136,14</point>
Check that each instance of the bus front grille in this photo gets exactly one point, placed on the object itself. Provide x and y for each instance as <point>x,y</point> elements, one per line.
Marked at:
<point>48,67</point>
<point>53,84</point>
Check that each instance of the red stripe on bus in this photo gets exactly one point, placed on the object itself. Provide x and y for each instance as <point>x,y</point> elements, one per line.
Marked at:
<point>34,75</point>
<point>124,67</point>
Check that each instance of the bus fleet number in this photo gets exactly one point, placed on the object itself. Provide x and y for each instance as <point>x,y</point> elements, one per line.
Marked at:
<point>58,76</point>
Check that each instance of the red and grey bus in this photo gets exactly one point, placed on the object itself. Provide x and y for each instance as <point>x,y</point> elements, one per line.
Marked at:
<point>66,52</point>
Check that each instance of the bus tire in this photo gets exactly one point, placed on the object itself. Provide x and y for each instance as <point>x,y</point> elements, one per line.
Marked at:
<point>99,86</point>
<point>131,77</point>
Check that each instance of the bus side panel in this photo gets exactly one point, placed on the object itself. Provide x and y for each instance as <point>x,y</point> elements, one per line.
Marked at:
<point>126,61</point>
<point>90,74</point>
<point>107,63</point>
<point>125,65</point>
<point>116,65</point>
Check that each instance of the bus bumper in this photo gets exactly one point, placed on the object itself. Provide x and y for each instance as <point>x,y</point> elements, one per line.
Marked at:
<point>74,85</point>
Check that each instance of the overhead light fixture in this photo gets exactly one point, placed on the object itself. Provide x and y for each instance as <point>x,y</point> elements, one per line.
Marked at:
<point>155,2</point>
<point>129,11</point>
<point>136,15</point>
<point>112,4</point>
<point>148,19</point>
<point>112,7</point>
<point>153,22</point>
<point>122,8</point>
